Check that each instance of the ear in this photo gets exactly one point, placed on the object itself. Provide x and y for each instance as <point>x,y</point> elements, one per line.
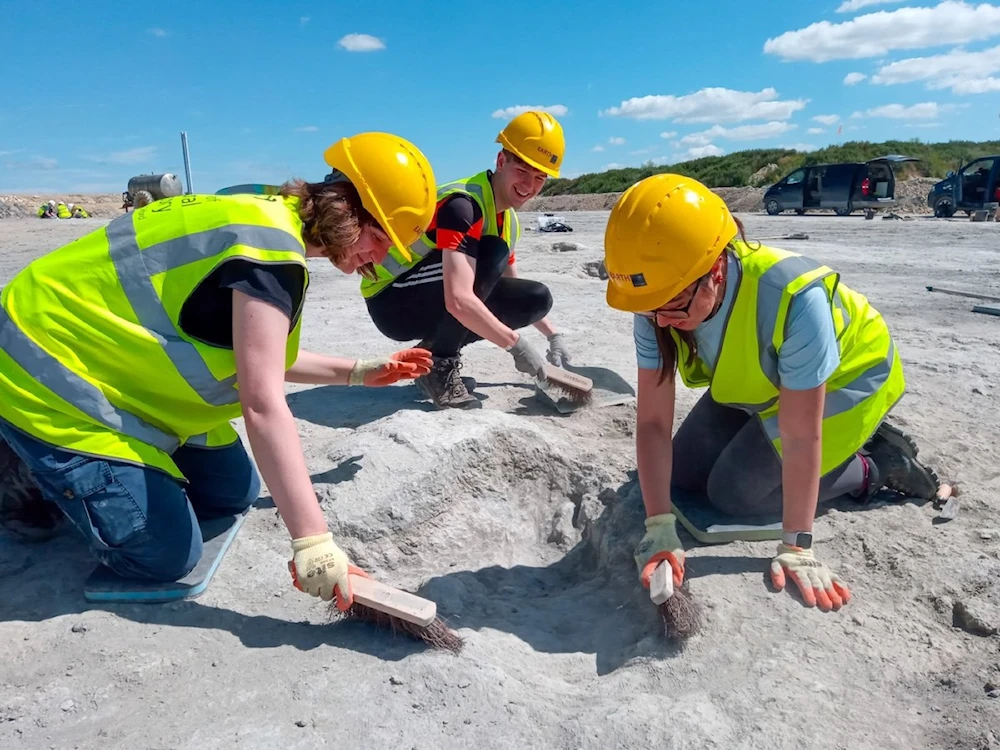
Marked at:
<point>501,159</point>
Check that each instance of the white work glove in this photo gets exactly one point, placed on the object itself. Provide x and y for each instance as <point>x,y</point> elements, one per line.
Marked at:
<point>319,568</point>
<point>526,358</point>
<point>557,353</point>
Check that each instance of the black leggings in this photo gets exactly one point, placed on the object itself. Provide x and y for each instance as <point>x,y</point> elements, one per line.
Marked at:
<point>410,309</point>
<point>724,453</point>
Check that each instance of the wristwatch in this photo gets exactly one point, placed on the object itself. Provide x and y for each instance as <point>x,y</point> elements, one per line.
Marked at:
<point>803,539</point>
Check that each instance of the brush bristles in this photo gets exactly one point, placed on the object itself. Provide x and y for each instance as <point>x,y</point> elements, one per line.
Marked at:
<point>681,615</point>
<point>573,395</point>
<point>437,634</point>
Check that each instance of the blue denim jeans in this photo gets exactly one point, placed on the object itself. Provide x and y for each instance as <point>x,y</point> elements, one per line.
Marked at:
<point>141,522</point>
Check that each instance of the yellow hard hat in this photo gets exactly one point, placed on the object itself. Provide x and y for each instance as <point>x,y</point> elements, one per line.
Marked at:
<point>537,138</point>
<point>664,233</point>
<point>393,178</point>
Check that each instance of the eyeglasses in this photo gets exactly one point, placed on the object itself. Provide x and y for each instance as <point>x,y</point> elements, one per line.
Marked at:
<point>674,312</point>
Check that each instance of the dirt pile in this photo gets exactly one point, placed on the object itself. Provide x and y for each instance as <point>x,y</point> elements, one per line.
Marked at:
<point>911,197</point>
<point>98,205</point>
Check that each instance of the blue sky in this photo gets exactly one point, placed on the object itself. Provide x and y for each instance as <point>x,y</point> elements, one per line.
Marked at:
<point>96,94</point>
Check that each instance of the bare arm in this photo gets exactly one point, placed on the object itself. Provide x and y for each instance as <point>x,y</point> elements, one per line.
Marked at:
<point>653,440</point>
<point>260,332</point>
<point>319,369</point>
<point>462,302</point>
<point>800,423</point>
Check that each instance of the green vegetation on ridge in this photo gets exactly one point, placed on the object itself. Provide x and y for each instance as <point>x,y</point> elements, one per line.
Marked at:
<point>737,168</point>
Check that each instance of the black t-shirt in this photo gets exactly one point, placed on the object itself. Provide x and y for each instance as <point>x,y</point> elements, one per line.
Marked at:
<point>208,313</point>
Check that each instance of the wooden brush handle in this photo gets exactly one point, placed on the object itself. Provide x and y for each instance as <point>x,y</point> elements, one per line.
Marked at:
<point>393,601</point>
<point>566,378</point>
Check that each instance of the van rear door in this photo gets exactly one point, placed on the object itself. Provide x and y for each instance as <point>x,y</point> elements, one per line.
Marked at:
<point>882,178</point>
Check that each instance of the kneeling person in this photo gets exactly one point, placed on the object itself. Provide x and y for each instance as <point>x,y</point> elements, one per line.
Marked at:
<point>462,284</point>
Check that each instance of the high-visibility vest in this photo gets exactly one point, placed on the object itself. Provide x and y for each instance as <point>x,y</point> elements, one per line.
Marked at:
<point>860,392</point>
<point>62,211</point>
<point>476,187</point>
<point>92,356</point>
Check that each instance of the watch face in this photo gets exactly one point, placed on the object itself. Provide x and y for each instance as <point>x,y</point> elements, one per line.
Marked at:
<point>804,539</point>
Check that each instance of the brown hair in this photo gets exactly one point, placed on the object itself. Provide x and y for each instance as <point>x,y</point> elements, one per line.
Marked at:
<point>332,216</point>
<point>665,342</point>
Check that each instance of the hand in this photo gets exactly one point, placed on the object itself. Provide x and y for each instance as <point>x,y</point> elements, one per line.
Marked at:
<point>406,364</point>
<point>526,359</point>
<point>557,353</point>
<point>818,584</point>
<point>324,569</point>
<point>660,543</point>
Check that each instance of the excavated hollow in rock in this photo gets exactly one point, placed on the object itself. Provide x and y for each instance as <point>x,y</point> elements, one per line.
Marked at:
<point>501,523</point>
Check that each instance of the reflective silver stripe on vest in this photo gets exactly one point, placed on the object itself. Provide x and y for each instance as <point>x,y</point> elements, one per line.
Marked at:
<point>419,248</point>
<point>849,395</point>
<point>770,290</point>
<point>70,387</point>
<point>135,268</point>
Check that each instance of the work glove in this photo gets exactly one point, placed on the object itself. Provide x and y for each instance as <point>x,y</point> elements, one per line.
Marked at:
<point>526,359</point>
<point>406,364</point>
<point>557,353</point>
<point>660,543</point>
<point>319,568</point>
<point>818,584</point>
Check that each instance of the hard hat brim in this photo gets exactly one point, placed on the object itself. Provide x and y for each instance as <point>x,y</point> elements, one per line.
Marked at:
<point>530,162</point>
<point>638,303</point>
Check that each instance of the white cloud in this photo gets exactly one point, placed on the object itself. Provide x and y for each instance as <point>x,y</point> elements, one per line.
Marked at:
<point>32,164</point>
<point>699,152</point>
<point>616,141</point>
<point>923,124</point>
<point>597,148</point>
<point>849,6</point>
<point>875,34</point>
<point>361,43</point>
<point>826,119</point>
<point>307,129</point>
<point>815,131</point>
<point>303,20</point>
<point>668,134</point>
<point>739,133</point>
<point>921,111</point>
<point>613,165</point>
<point>157,32</point>
<point>803,147</point>
<point>709,105</point>
<point>852,79</point>
<point>962,72</point>
<point>136,155</point>
<point>558,110</point>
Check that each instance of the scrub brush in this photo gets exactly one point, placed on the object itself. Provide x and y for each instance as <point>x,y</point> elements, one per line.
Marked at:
<point>680,613</point>
<point>398,611</point>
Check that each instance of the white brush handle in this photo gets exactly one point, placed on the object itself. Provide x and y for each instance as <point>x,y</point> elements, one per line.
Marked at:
<point>661,583</point>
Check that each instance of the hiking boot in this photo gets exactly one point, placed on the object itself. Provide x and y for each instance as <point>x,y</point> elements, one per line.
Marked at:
<point>23,510</point>
<point>894,454</point>
<point>444,387</point>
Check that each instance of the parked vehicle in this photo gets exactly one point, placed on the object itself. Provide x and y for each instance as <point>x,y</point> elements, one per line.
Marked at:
<point>844,187</point>
<point>973,187</point>
<point>551,223</point>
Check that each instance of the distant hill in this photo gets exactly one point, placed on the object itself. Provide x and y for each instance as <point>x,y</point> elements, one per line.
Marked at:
<point>756,167</point>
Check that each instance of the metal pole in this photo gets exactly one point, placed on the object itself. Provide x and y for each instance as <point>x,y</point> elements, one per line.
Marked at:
<point>187,160</point>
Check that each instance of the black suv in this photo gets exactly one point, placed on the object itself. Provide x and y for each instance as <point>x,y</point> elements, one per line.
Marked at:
<point>973,187</point>
<point>844,187</point>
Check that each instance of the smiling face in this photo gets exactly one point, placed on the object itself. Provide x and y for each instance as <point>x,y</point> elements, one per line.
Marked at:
<point>515,182</point>
<point>369,250</point>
